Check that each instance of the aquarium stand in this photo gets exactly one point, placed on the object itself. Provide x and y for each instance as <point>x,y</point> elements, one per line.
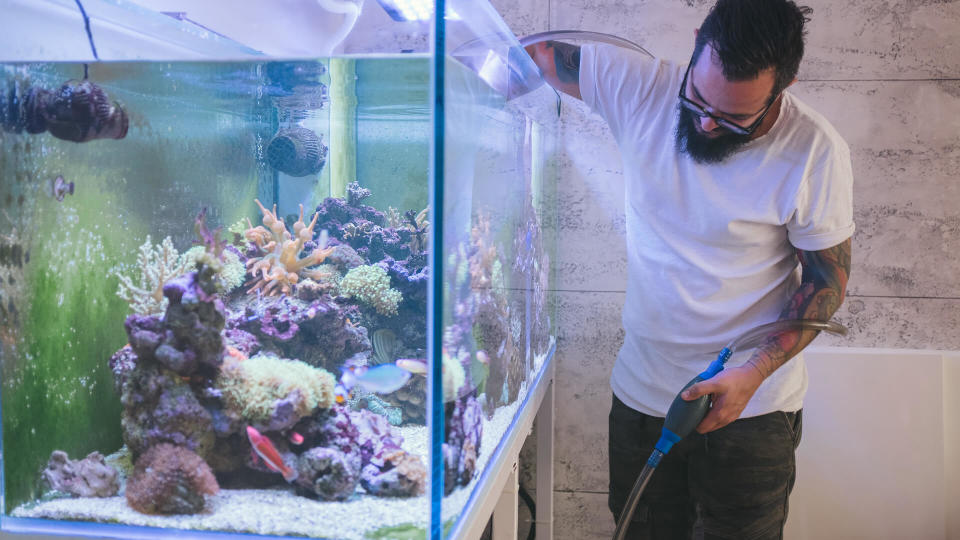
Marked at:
<point>497,497</point>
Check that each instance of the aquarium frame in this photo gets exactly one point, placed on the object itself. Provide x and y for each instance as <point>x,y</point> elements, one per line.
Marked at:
<point>435,297</point>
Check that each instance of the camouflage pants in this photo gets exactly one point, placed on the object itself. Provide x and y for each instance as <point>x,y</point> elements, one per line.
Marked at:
<point>732,483</point>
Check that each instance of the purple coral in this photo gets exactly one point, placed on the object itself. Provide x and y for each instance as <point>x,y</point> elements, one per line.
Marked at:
<point>464,429</point>
<point>319,333</point>
<point>363,227</point>
<point>195,318</point>
<point>88,477</point>
<point>158,407</point>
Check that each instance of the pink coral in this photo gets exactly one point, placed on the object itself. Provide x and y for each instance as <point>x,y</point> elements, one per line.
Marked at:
<point>279,269</point>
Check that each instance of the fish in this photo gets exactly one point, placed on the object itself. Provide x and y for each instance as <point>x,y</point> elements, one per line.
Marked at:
<point>59,188</point>
<point>295,438</point>
<point>264,448</point>
<point>382,379</point>
<point>417,366</point>
<point>384,345</point>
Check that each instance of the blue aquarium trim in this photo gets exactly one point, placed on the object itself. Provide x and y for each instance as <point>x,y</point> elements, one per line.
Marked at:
<point>498,452</point>
<point>435,290</point>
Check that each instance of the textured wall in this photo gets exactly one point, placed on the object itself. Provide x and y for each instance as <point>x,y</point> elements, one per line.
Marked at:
<point>887,74</point>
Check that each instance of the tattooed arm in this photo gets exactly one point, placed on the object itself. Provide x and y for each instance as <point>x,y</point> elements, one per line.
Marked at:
<point>822,289</point>
<point>560,65</point>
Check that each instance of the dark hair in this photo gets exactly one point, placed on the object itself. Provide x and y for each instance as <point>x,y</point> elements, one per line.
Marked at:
<point>750,36</point>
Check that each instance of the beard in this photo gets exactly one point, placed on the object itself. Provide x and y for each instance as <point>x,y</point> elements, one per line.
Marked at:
<point>701,148</point>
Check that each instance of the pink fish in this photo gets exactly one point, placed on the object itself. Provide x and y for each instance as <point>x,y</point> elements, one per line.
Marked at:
<point>295,438</point>
<point>271,458</point>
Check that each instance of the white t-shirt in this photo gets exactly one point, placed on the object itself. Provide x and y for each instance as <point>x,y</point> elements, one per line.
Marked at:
<point>711,248</point>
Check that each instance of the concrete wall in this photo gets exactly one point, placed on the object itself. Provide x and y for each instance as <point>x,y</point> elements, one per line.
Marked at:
<point>887,74</point>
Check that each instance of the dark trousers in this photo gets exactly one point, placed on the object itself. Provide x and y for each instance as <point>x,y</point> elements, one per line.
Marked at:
<point>732,483</point>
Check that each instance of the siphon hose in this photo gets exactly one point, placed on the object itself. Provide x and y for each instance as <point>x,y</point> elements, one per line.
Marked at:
<point>582,35</point>
<point>623,524</point>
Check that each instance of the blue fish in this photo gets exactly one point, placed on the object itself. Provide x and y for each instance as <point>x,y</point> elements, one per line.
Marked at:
<point>382,379</point>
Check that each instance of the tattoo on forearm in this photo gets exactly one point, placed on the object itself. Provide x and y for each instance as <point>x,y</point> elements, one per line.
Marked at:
<point>567,59</point>
<point>822,289</point>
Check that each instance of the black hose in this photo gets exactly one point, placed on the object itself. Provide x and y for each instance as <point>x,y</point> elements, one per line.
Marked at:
<point>532,507</point>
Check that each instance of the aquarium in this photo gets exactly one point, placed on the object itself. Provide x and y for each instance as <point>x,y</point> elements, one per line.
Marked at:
<point>240,293</point>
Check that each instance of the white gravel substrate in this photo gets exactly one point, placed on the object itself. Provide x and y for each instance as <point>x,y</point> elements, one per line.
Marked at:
<point>280,512</point>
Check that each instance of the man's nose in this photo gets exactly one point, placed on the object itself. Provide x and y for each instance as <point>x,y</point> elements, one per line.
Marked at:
<point>707,123</point>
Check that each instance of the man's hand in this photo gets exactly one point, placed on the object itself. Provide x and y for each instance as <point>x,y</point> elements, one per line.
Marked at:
<point>732,388</point>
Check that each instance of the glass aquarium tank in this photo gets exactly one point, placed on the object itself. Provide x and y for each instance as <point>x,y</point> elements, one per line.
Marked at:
<point>241,292</point>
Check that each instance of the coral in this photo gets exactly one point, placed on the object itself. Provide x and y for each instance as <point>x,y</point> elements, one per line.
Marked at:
<point>454,376</point>
<point>89,477</point>
<point>121,364</point>
<point>188,337</point>
<point>170,479</point>
<point>157,264</point>
<point>371,285</point>
<point>195,318</point>
<point>209,240</point>
<point>464,429</point>
<point>159,406</point>
<point>236,232</point>
<point>231,271</point>
<point>361,435</point>
<point>363,227</point>
<point>412,399</point>
<point>400,475</point>
<point>319,332</point>
<point>242,341</point>
<point>328,474</point>
<point>274,393</point>
<point>375,404</point>
<point>280,266</point>
<point>345,257</point>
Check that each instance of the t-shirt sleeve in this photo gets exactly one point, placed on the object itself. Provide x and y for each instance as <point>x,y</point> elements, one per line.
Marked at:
<point>616,83</point>
<point>823,216</point>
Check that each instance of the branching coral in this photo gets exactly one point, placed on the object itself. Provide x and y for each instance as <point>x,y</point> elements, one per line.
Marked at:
<point>279,269</point>
<point>158,264</point>
<point>371,285</point>
<point>262,388</point>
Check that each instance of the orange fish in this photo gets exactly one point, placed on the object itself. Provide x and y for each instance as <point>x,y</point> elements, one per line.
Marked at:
<point>265,449</point>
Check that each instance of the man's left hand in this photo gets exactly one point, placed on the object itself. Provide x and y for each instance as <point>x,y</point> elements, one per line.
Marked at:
<point>731,388</point>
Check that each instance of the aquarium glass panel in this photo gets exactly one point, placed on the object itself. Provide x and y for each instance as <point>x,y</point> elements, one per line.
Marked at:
<point>214,296</point>
<point>499,240</point>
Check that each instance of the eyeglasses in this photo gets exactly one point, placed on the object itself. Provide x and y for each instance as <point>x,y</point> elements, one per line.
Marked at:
<point>722,122</point>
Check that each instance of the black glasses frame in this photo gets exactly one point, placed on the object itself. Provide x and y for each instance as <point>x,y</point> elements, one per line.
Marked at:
<point>698,110</point>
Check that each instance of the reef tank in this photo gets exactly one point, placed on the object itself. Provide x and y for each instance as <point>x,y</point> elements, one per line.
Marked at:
<point>243,293</point>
